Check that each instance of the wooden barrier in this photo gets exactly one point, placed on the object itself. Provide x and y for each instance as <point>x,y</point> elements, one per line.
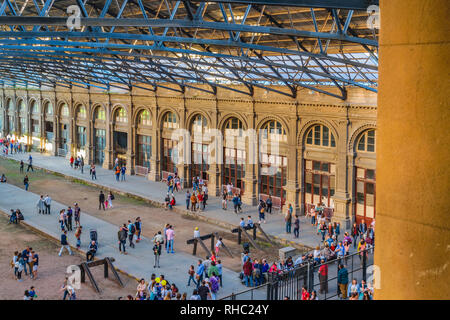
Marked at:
<point>107,264</point>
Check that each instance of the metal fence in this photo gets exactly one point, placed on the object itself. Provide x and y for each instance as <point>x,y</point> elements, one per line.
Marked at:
<point>289,283</point>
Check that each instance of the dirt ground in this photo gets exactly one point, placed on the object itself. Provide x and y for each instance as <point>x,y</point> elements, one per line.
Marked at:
<point>52,269</point>
<point>153,219</point>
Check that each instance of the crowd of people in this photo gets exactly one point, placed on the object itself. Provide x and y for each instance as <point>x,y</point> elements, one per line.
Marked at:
<point>26,261</point>
<point>12,146</point>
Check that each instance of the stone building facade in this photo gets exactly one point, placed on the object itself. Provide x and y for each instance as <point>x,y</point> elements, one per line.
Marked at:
<point>326,149</point>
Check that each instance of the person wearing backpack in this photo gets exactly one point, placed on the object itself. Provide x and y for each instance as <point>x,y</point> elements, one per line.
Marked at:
<point>131,232</point>
<point>138,225</point>
<point>214,280</point>
<point>122,237</point>
<point>257,273</point>
<point>157,253</point>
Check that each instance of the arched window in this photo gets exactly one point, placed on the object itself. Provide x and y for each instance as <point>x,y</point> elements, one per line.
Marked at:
<point>81,112</point>
<point>170,121</point>
<point>22,108</point>
<point>320,135</point>
<point>367,141</point>
<point>121,115</point>
<point>144,118</point>
<point>199,124</point>
<point>49,109</point>
<point>34,107</point>
<point>233,127</point>
<point>10,109</point>
<point>64,110</point>
<point>273,130</point>
<point>100,114</point>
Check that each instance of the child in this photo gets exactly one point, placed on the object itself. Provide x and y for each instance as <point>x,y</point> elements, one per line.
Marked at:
<point>218,244</point>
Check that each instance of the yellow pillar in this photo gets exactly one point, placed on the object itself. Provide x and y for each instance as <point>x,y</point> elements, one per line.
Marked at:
<point>413,151</point>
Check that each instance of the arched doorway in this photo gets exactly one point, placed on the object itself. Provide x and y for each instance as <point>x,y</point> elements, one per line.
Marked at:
<point>49,128</point>
<point>273,162</point>
<point>199,148</point>
<point>120,135</point>
<point>10,117</point>
<point>168,146</point>
<point>234,155</point>
<point>23,129</point>
<point>35,123</point>
<point>319,171</point>
<point>99,135</point>
<point>81,124</point>
<point>143,142</point>
<point>64,129</point>
<point>365,177</point>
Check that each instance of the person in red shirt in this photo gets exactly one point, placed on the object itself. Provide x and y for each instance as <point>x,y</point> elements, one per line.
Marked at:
<point>71,161</point>
<point>248,269</point>
<point>305,294</point>
<point>323,277</point>
<point>200,200</point>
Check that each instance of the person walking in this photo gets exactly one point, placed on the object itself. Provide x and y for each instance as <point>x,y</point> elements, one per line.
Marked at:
<point>19,267</point>
<point>47,203</point>
<point>191,273</point>
<point>157,253</point>
<point>199,272</point>
<point>193,201</point>
<point>122,237</point>
<point>131,231</point>
<point>26,182</point>
<point>21,166</point>
<point>71,161</point>
<point>110,199</point>
<point>78,236</point>
<point>77,214</point>
<point>64,244</point>
<point>296,227</point>
<point>101,200</point>
<point>343,281</point>
<point>170,238</point>
<point>288,219</point>
<point>40,205</point>
<point>30,163</point>
<point>93,172</point>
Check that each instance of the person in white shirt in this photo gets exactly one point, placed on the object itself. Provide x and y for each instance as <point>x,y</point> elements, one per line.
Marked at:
<point>196,233</point>
<point>47,202</point>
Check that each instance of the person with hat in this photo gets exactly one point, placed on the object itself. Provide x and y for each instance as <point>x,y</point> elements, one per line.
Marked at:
<point>196,233</point>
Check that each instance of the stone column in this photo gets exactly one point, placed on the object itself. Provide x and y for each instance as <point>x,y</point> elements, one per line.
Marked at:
<point>131,146</point>
<point>251,165</point>
<point>108,161</point>
<point>413,151</point>
<point>293,174</point>
<point>341,198</point>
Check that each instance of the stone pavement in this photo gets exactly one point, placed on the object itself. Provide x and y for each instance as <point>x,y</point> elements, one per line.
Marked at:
<point>138,262</point>
<point>156,191</point>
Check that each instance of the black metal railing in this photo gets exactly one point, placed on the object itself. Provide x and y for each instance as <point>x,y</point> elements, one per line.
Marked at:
<point>290,283</point>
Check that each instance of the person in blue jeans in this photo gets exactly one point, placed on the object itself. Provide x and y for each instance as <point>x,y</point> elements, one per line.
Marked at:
<point>188,199</point>
<point>199,272</point>
<point>191,273</point>
<point>122,172</point>
<point>248,271</point>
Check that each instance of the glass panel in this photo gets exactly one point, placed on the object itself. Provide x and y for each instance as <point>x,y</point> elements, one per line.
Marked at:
<point>308,165</point>
<point>361,144</point>
<point>325,136</point>
<point>333,142</point>
<point>370,174</point>
<point>360,173</point>
<point>316,165</point>
<point>325,166</point>
<point>317,135</point>
<point>309,137</point>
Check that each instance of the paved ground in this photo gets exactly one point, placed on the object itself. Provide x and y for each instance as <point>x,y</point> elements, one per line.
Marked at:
<point>156,191</point>
<point>139,261</point>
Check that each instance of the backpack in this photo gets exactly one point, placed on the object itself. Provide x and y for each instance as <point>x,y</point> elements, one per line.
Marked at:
<point>112,197</point>
<point>256,272</point>
<point>133,229</point>
<point>214,284</point>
